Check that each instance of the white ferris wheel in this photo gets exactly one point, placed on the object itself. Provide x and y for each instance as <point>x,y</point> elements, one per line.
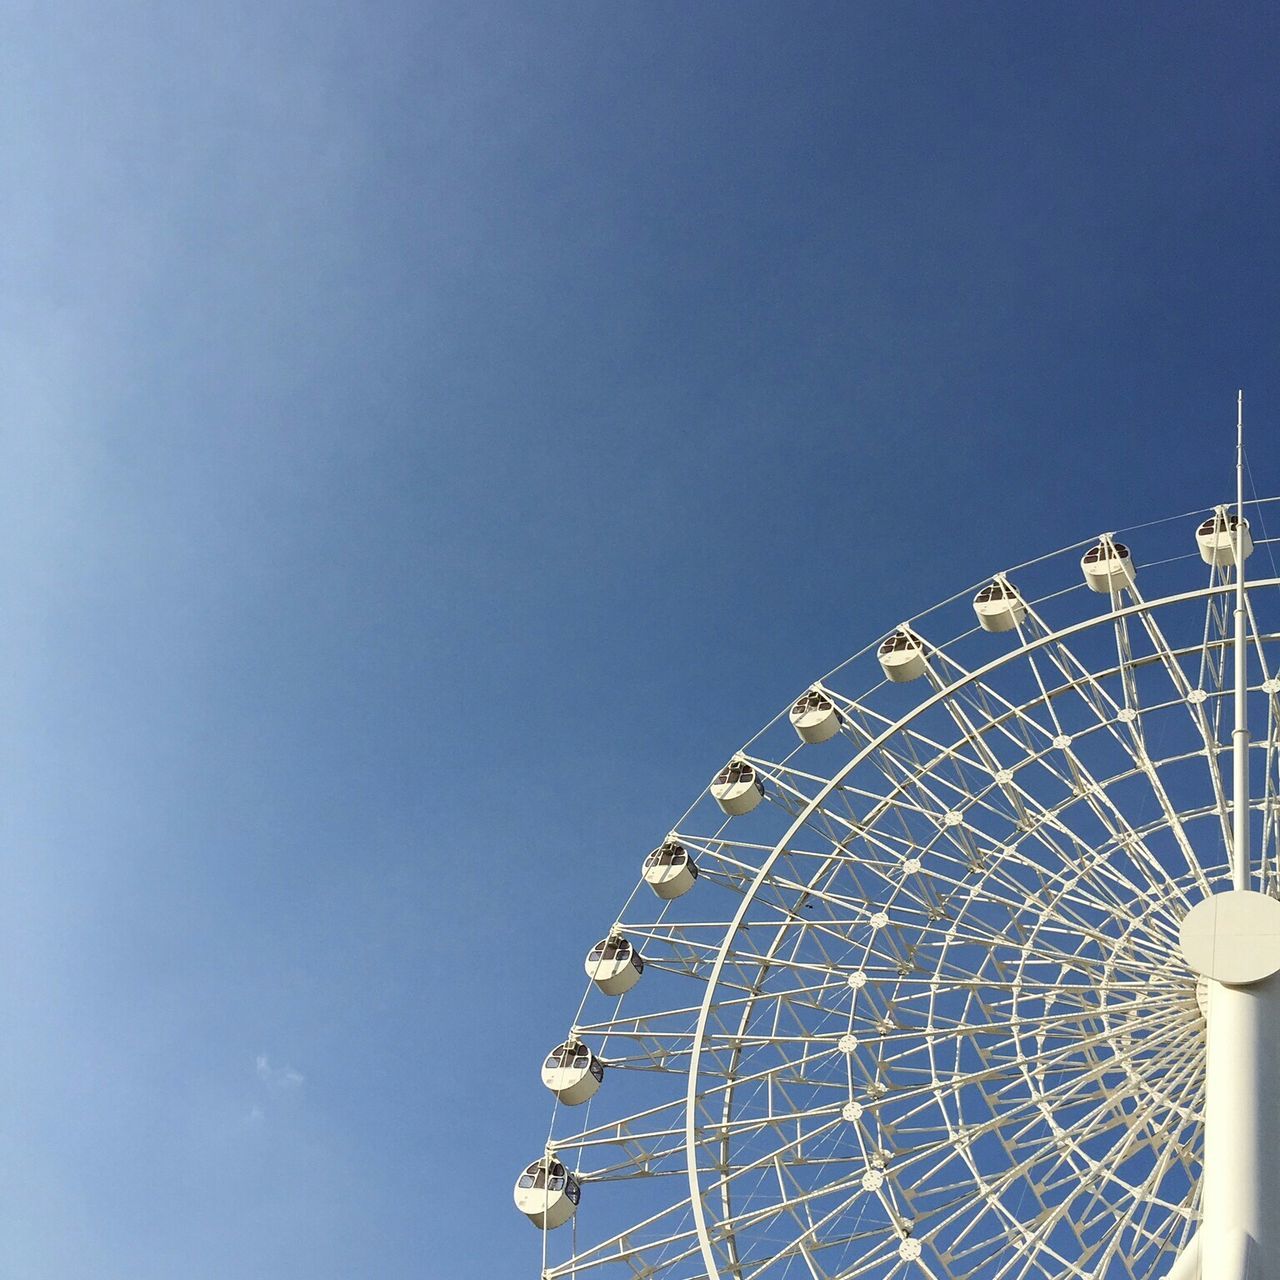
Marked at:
<point>916,986</point>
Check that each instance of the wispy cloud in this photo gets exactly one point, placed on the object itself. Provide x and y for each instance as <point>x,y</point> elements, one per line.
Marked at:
<point>278,1079</point>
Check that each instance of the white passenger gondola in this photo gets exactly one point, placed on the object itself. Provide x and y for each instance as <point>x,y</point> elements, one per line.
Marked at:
<point>1107,567</point>
<point>814,717</point>
<point>1216,538</point>
<point>614,965</point>
<point>572,1072</point>
<point>999,607</point>
<point>669,870</point>
<point>547,1193</point>
<point>902,657</point>
<point>737,787</point>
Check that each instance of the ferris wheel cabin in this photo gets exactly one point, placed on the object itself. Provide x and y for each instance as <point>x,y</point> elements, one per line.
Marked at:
<point>572,1072</point>
<point>1216,538</point>
<point>737,788</point>
<point>902,657</point>
<point>814,717</point>
<point>669,870</point>
<point>614,965</point>
<point>999,607</point>
<point>547,1193</point>
<point>1108,567</point>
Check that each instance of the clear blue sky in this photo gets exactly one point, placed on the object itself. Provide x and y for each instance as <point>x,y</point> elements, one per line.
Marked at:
<point>434,438</point>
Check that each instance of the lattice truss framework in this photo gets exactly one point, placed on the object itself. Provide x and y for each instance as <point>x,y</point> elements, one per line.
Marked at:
<point>923,1010</point>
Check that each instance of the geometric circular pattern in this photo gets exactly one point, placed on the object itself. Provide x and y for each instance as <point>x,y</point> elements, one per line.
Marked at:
<point>924,1011</point>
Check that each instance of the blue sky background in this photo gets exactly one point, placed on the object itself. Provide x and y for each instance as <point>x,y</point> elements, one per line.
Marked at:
<point>434,438</point>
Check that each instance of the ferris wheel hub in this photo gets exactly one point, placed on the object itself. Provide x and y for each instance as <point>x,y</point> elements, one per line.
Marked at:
<point>1233,937</point>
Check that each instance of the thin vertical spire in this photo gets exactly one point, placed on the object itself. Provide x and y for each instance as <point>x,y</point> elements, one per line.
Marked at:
<point>1240,871</point>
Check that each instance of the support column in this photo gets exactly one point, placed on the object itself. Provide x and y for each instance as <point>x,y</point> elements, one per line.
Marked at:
<point>1233,940</point>
<point>1240,1228</point>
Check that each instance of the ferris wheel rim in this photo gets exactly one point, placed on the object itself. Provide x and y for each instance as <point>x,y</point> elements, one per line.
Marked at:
<point>935,698</point>
<point>969,590</point>
<point>746,873</point>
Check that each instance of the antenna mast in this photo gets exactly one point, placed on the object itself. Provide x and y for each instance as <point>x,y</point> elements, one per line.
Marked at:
<point>1240,874</point>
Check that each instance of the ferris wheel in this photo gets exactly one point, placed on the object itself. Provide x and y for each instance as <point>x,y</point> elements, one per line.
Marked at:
<point>916,985</point>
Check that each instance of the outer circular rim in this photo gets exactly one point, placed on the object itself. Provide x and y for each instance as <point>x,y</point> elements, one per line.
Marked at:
<point>693,1140</point>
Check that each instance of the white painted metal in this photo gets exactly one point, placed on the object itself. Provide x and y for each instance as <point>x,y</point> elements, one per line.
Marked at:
<point>1187,1266</point>
<point>1234,940</point>
<point>669,870</point>
<point>1233,937</point>
<point>1240,655</point>
<point>1240,1234</point>
<point>926,1012</point>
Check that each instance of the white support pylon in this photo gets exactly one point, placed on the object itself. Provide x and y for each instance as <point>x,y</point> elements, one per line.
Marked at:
<point>1233,940</point>
<point>1242,1133</point>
